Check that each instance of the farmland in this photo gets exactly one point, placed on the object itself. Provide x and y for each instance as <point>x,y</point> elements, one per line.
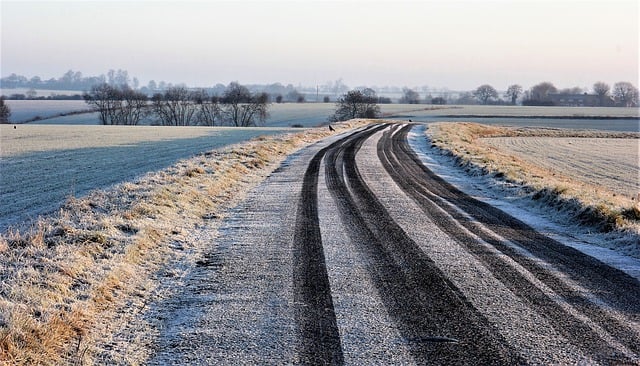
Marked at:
<point>107,252</point>
<point>314,114</point>
<point>610,163</point>
<point>589,176</point>
<point>43,165</point>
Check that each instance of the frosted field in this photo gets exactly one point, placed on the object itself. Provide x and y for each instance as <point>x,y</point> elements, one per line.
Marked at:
<point>22,110</point>
<point>281,115</point>
<point>608,162</point>
<point>488,110</point>
<point>40,166</point>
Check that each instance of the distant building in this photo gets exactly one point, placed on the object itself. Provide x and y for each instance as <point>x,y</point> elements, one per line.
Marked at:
<point>581,100</point>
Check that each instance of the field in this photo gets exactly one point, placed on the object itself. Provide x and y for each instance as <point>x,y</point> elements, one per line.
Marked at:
<point>43,165</point>
<point>610,163</point>
<point>314,114</point>
<point>64,280</point>
<point>23,110</point>
<point>591,176</point>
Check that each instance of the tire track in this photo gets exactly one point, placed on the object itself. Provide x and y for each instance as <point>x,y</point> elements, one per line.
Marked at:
<point>434,195</point>
<point>438,323</point>
<point>319,339</point>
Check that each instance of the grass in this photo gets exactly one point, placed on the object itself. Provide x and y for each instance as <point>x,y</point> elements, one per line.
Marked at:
<point>589,204</point>
<point>72,276</point>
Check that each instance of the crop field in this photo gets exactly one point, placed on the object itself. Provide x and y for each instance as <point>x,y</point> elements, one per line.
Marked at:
<point>41,166</point>
<point>607,162</point>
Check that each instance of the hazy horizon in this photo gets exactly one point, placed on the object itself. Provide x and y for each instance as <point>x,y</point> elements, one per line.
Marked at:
<point>455,44</point>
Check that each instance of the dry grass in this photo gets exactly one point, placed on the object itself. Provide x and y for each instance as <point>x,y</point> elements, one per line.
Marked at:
<point>70,277</point>
<point>589,204</point>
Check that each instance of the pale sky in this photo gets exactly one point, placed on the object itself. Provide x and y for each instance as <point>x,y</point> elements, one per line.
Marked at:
<point>455,44</point>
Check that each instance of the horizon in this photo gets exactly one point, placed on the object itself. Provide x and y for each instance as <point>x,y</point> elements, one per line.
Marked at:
<point>454,45</point>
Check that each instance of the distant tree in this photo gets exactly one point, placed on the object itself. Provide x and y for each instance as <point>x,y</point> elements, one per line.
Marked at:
<point>625,94</point>
<point>513,92</point>
<point>384,100</point>
<point>485,93</point>
<point>356,104</point>
<point>466,98</point>
<point>242,108</point>
<point>295,96</point>
<point>5,111</point>
<point>326,99</point>
<point>438,101</point>
<point>601,89</point>
<point>175,107</point>
<point>209,111</point>
<point>409,96</point>
<point>31,93</point>
<point>339,87</point>
<point>540,92</point>
<point>279,98</point>
<point>117,105</point>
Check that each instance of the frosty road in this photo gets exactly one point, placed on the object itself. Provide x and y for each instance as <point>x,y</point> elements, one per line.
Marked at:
<point>353,252</point>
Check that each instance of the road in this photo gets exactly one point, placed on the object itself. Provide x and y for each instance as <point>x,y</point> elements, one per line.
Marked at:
<point>353,252</point>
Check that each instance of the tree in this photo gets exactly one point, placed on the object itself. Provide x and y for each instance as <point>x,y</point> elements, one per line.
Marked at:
<point>513,92</point>
<point>356,104</point>
<point>175,107</point>
<point>243,109</point>
<point>540,92</point>
<point>484,93</point>
<point>209,111</point>
<point>409,96</point>
<point>438,101</point>
<point>601,89</point>
<point>31,93</point>
<point>117,105</point>
<point>625,94</point>
<point>5,111</point>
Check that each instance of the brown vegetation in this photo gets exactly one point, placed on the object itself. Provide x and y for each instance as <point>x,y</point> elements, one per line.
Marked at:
<point>591,205</point>
<point>65,280</point>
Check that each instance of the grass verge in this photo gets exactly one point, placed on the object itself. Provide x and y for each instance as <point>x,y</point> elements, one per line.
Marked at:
<point>64,279</point>
<point>589,205</point>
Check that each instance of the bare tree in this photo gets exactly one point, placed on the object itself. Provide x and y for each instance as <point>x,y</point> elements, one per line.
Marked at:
<point>5,111</point>
<point>209,111</point>
<point>513,92</point>
<point>175,107</point>
<point>243,109</point>
<point>602,91</point>
<point>356,104</point>
<point>625,93</point>
<point>484,93</point>
<point>117,105</point>
<point>409,96</point>
<point>539,94</point>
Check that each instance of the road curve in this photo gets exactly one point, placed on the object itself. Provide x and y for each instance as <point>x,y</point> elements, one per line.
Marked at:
<point>353,252</point>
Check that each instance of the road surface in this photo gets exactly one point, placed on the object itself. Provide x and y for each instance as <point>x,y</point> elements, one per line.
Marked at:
<point>353,252</point>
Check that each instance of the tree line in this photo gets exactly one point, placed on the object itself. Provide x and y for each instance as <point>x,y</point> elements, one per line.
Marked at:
<point>178,106</point>
<point>623,94</point>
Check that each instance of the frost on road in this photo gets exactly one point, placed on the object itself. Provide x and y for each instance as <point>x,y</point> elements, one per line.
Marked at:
<point>353,252</point>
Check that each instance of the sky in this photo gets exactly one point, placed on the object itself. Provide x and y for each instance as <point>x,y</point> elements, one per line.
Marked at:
<point>458,44</point>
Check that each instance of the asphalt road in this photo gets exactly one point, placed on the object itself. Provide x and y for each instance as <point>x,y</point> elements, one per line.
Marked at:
<point>353,252</point>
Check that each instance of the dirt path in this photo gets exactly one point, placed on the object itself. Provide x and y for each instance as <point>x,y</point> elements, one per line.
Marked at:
<point>353,252</point>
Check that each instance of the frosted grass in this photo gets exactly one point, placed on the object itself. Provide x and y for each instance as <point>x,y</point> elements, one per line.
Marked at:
<point>41,166</point>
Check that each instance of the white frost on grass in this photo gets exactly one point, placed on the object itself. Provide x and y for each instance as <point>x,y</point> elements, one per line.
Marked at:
<point>42,166</point>
<point>510,198</point>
